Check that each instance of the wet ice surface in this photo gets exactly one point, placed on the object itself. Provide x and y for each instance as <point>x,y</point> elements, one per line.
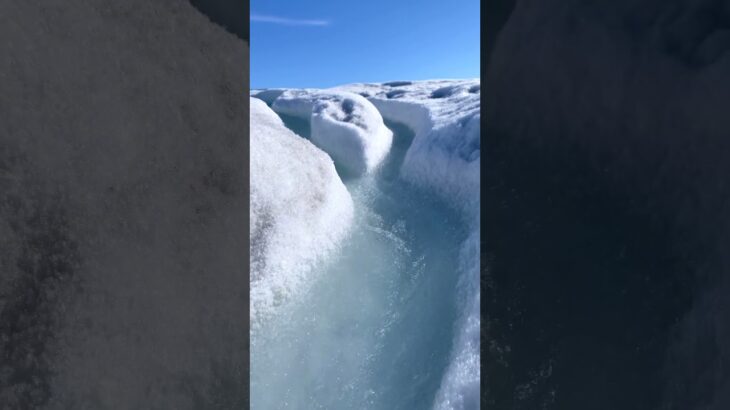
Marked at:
<point>375,329</point>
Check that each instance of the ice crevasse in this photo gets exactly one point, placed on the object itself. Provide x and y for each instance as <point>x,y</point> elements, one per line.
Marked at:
<point>444,158</point>
<point>299,209</point>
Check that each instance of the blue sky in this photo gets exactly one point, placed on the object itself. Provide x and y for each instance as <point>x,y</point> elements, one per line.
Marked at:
<point>323,43</point>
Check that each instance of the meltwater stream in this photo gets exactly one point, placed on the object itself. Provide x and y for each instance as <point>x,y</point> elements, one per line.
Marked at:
<point>376,326</point>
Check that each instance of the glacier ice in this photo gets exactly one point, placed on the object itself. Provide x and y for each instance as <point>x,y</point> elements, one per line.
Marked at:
<point>345,125</point>
<point>299,209</point>
<point>443,159</point>
<point>268,96</point>
<point>445,153</point>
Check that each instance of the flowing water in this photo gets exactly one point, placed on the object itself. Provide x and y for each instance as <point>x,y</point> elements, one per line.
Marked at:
<point>375,328</point>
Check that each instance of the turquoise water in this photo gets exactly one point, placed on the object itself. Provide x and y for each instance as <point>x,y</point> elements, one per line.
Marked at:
<point>375,329</point>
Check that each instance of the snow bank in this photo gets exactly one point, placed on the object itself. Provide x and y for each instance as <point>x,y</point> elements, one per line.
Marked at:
<point>300,210</point>
<point>268,96</point>
<point>345,125</point>
<point>445,153</point>
<point>297,103</point>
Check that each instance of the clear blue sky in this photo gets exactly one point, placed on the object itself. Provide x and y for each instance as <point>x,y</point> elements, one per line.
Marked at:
<point>323,43</point>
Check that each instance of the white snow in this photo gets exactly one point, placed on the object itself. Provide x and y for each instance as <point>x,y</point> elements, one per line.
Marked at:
<point>343,124</point>
<point>445,153</point>
<point>298,102</point>
<point>268,96</point>
<point>300,209</point>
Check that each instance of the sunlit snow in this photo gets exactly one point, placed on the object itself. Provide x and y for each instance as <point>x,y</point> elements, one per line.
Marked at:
<point>389,316</point>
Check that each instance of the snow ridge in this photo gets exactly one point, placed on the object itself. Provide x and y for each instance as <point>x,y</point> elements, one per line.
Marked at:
<point>345,125</point>
<point>300,210</point>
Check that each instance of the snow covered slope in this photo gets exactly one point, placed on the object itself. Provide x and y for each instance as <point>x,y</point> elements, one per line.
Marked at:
<point>345,125</point>
<point>299,212</point>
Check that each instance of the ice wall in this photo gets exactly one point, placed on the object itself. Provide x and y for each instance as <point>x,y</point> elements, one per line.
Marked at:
<point>300,210</point>
<point>345,125</point>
